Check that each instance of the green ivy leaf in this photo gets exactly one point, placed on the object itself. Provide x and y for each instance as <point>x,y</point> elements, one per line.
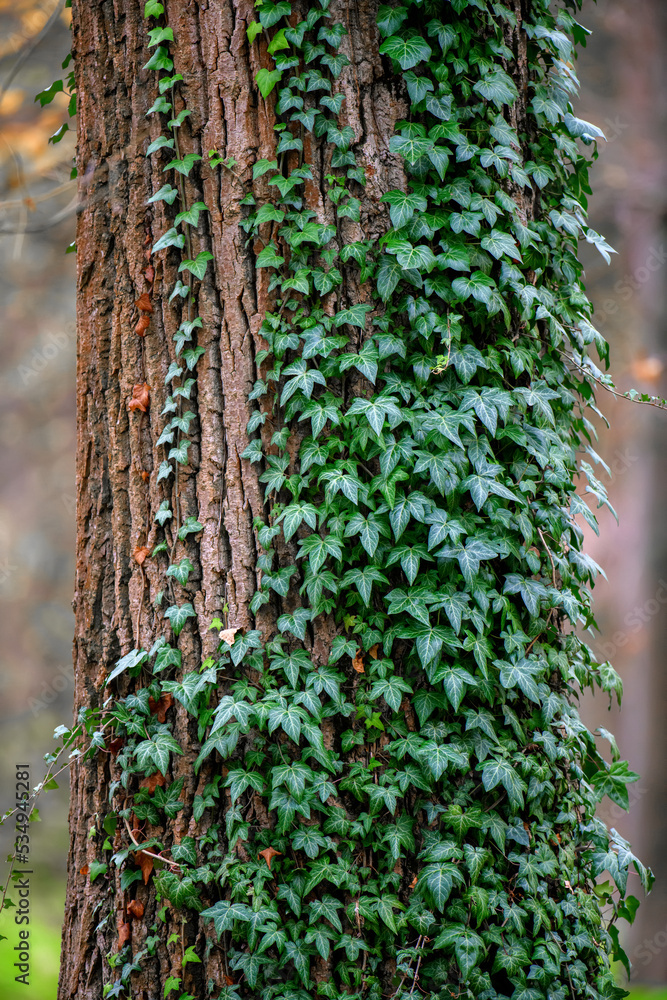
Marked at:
<point>438,880</point>
<point>407,50</point>
<point>157,35</point>
<point>497,87</point>
<point>266,80</point>
<point>160,60</point>
<point>179,615</point>
<point>224,914</point>
<point>500,772</point>
<point>181,571</point>
<point>198,265</point>
<point>172,238</point>
<point>253,30</point>
<point>184,165</point>
<point>157,751</point>
<point>130,661</point>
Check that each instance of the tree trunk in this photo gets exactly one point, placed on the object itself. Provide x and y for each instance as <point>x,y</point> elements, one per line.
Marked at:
<point>116,466</point>
<point>398,755</point>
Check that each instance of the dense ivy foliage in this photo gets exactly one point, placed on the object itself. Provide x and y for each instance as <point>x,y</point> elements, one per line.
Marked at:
<point>430,792</point>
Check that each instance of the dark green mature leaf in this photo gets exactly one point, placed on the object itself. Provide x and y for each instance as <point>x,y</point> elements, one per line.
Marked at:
<point>498,87</point>
<point>495,772</point>
<point>224,914</point>
<point>157,751</point>
<point>389,19</point>
<point>407,50</point>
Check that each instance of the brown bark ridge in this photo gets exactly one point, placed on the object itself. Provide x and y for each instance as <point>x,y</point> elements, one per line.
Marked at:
<point>117,460</point>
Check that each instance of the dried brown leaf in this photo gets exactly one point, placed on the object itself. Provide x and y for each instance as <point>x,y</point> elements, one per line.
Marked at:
<point>152,781</point>
<point>142,325</point>
<point>227,635</point>
<point>124,933</point>
<point>145,862</point>
<point>141,398</point>
<point>141,553</point>
<point>268,854</point>
<point>358,662</point>
<point>162,706</point>
<point>135,909</point>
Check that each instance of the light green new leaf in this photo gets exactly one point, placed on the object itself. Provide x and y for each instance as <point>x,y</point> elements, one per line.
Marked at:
<point>266,80</point>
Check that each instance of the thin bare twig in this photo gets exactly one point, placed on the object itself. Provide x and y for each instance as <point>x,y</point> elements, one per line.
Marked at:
<point>158,857</point>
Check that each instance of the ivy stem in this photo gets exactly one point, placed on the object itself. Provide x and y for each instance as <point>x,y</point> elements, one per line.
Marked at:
<point>150,854</point>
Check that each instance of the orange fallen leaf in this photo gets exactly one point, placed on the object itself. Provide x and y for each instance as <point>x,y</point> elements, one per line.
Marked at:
<point>145,862</point>
<point>268,854</point>
<point>413,883</point>
<point>84,870</point>
<point>161,706</point>
<point>144,303</point>
<point>135,909</point>
<point>358,662</point>
<point>373,651</point>
<point>144,475</point>
<point>142,325</point>
<point>228,980</point>
<point>141,398</point>
<point>152,781</point>
<point>149,274</point>
<point>124,933</point>
<point>140,554</point>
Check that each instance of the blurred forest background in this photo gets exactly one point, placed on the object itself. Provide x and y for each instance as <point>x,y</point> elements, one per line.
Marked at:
<point>624,91</point>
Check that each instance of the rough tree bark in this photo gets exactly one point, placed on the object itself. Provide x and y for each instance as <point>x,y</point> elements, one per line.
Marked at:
<point>116,467</point>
